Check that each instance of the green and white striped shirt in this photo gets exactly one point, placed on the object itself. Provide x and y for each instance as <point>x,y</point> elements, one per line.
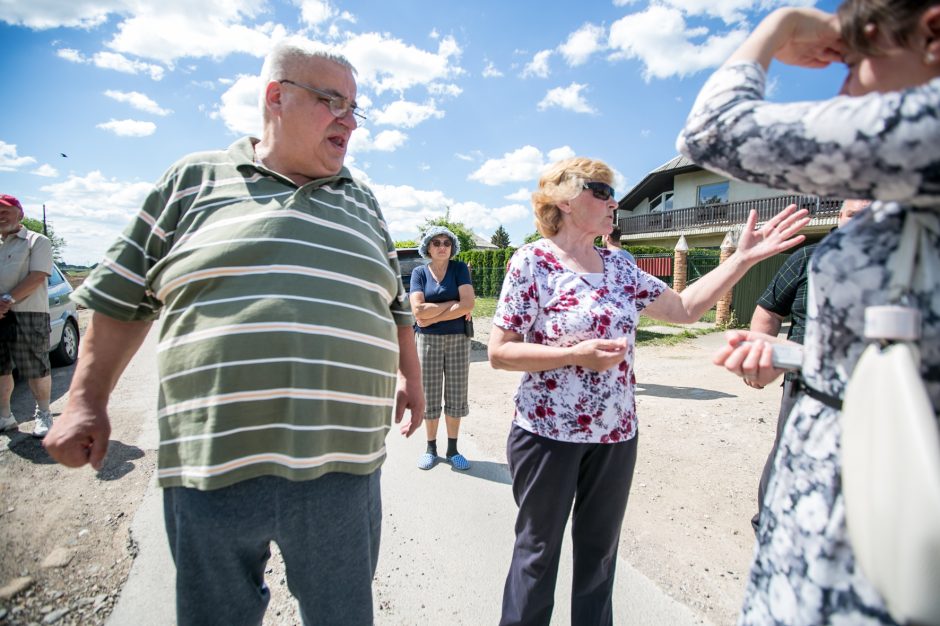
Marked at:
<point>278,347</point>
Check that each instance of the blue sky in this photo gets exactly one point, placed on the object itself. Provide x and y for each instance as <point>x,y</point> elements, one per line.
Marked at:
<point>467,101</point>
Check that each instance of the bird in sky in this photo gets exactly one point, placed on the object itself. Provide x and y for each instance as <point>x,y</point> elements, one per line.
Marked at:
<point>64,155</point>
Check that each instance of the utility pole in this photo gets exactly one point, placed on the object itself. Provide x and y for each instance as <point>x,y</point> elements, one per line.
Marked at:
<point>45,231</point>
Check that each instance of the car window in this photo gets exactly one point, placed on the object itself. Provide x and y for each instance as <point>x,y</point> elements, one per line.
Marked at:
<point>56,278</point>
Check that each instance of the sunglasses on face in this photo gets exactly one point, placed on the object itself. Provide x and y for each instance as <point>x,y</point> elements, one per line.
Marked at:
<point>441,243</point>
<point>601,191</point>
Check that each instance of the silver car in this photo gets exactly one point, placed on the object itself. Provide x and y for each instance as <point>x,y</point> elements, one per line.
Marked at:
<point>63,338</point>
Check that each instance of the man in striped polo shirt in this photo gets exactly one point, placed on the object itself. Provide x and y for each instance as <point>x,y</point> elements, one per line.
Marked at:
<point>285,344</point>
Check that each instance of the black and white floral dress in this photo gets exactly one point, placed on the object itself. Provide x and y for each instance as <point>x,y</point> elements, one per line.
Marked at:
<point>881,146</point>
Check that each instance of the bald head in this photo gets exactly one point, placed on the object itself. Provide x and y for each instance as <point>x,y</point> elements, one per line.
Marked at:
<point>850,208</point>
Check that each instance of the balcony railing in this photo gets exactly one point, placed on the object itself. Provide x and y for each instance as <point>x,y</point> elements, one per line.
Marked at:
<point>724,214</point>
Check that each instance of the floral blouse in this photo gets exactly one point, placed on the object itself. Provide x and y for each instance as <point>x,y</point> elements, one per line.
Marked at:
<point>880,146</point>
<point>549,304</point>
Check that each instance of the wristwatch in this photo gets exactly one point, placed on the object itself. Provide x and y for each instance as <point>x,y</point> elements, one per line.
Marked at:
<point>8,298</point>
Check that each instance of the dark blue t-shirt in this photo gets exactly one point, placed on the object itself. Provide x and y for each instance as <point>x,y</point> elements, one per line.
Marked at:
<point>422,281</point>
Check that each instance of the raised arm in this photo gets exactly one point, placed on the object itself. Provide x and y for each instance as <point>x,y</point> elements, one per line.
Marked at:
<point>873,146</point>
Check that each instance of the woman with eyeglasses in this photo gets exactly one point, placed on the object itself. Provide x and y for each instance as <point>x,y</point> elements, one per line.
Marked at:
<point>879,138</point>
<point>442,301</point>
<point>567,317</point>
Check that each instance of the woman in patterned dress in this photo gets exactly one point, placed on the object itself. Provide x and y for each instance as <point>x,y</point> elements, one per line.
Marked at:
<point>567,317</point>
<point>880,140</point>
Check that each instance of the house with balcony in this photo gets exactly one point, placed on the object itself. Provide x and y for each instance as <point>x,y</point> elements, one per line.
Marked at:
<point>680,198</point>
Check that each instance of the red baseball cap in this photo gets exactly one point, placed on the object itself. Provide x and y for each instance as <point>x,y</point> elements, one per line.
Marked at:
<point>10,201</point>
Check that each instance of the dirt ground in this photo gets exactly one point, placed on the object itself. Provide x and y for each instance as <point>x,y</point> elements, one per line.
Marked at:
<point>66,549</point>
<point>703,439</point>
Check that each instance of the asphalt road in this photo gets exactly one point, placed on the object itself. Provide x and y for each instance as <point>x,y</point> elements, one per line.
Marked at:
<point>446,543</point>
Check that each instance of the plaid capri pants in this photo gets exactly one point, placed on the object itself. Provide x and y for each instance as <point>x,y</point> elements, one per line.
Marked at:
<point>445,368</point>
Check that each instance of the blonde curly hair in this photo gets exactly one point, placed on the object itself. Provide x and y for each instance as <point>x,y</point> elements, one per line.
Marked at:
<point>563,181</point>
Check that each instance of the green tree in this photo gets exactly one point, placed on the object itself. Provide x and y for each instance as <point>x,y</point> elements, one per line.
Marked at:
<point>532,237</point>
<point>500,238</point>
<point>463,233</point>
<point>406,243</point>
<point>58,243</point>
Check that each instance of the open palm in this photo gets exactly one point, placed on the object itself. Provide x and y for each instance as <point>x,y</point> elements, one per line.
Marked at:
<point>778,234</point>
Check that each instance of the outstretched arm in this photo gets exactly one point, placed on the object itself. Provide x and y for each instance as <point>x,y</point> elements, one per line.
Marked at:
<point>777,235</point>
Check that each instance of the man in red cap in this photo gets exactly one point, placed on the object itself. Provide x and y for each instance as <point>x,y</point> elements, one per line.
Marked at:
<point>25,266</point>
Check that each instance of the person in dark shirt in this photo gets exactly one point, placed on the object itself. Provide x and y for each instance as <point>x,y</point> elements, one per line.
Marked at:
<point>442,300</point>
<point>786,296</point>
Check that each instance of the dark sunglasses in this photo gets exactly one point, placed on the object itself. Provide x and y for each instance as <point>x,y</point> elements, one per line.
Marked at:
<point>601,191</point>
<point>441,243</point>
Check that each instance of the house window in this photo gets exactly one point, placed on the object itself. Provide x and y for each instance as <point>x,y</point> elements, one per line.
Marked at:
<point>715,193</point>
<point>662,202</point>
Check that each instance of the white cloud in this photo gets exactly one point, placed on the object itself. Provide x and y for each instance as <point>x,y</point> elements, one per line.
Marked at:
<point>660,39</point>
<point>521,195</point>
<point>524,164</point>
<point>240,110</point>
<point>384,63</point>
<point>129,128</point>
<point>70,55</point>
<point>444,89</point>
<point>582,44</point>
<point>406,114</point>
<point>46,171</point>
<point>405,208</point>
<point>120,63</point>
<point>313,12</point>
<point>113,61</point>
<point>91,212</point>
<point>569,98</point>
<point>564,152</point>
<point>490,71</point>
<point>465,157</point>
<point>137,100</point>
<point>538,66</point>
<point>10,161</point>
<point>84,14</point>
<point>731,11</point>
<point>172,30</point>
<point>483,218</point>
<point>385,141</point>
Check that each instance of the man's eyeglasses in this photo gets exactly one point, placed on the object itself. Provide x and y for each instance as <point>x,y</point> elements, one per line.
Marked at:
<point>339,106</point>
<point>601,191</point>
<point>441,243</point>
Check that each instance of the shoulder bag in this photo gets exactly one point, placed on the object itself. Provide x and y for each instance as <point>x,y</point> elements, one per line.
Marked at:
<point>891,444</point>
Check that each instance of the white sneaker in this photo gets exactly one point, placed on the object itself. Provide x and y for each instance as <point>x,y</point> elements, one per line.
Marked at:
<point>43,423</point>
<point>8,422</point>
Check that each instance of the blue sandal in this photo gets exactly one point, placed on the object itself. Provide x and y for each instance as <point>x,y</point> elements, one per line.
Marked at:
<point>426,461</point>
<point>458,462</point>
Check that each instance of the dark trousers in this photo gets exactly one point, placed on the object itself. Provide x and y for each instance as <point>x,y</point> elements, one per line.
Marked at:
<point>787,401</point>
<point>328,530</point>
<point>547,476</point>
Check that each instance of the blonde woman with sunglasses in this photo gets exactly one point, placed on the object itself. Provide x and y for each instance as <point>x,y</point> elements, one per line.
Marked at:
<point>567,318</point>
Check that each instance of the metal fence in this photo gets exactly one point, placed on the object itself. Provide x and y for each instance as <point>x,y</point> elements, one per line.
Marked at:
<point>726,214</point>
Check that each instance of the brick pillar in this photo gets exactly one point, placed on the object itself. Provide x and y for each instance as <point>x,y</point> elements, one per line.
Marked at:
<point>680,265</point>
<point>723,308</point>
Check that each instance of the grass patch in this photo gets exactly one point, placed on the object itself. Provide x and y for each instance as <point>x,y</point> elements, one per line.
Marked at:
<point>484,307</point>
<point>649,338</point>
